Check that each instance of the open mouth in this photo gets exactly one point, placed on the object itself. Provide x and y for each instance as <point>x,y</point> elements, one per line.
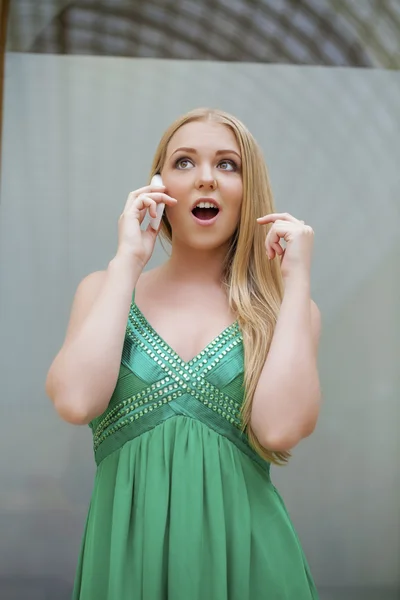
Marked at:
<point>205,214</point>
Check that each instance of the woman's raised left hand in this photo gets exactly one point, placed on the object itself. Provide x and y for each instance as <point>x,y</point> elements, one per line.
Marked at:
<point>299,238</point>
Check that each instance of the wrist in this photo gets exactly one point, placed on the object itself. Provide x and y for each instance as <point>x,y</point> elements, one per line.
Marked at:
<point>299,280</point>
<point>124,264</point>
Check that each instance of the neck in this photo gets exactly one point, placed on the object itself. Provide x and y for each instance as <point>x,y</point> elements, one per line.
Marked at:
<point>192,266</point>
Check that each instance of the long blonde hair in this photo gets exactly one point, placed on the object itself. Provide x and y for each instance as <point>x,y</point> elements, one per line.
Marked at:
<point>253,283</point>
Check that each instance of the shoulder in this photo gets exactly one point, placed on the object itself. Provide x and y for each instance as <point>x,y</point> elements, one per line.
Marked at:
<point>92,283</point>
<point>88,289</point>
<point>94,278</point>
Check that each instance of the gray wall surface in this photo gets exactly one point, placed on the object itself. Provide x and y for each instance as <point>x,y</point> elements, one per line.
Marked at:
<point>79,135</point>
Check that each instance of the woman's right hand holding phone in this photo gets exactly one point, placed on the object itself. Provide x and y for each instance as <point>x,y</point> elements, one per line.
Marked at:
<point>139,244</point>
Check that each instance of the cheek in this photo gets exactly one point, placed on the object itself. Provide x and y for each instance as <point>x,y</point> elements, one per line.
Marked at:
<point>176,187</point>
<point>236,194</point>
<point>235,211</point>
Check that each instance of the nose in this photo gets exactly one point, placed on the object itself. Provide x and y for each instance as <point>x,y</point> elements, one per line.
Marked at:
<point>206,180</point>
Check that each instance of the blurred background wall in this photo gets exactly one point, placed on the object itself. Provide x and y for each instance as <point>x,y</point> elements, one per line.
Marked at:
<point>89,88</point>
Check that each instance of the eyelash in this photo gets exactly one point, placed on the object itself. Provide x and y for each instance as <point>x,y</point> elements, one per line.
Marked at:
<point>229,161</point>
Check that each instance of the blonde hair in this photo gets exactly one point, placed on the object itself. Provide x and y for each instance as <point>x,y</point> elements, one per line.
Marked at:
<point>253,283</point>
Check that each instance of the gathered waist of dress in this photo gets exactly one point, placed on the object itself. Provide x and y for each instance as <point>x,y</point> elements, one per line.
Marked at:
<point>111,435</point>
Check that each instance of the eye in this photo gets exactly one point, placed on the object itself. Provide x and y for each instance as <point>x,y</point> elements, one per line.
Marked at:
<point>182,163</point>
<point>228,165</point>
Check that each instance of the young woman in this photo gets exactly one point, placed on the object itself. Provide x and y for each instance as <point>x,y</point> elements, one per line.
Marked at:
<point>194,377</point>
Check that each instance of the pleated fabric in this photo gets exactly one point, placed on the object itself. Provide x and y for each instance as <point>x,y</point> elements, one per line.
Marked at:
<point>182,508</point>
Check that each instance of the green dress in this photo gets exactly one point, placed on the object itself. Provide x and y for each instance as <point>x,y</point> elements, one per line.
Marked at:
<point>182,508</point>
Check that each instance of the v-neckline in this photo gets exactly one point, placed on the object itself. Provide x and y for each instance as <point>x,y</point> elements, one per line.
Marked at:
<point>171,350</point>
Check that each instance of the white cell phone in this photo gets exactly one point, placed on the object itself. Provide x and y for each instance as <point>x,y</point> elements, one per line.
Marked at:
<point>155,221</point>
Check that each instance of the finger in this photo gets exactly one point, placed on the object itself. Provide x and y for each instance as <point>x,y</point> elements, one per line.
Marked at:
<point>143,190</point>
<point>272,241</point>
<point>149,188</point>
<point>142,201</point>
<point>139,207</point>
<point>277,217</point>
<point>160,197</point>
<point>142,214</point>
<point>273,237</point>
<point>278,249</point>
<point>139,210</point>
<point>129,200</point>
<point>145,202</point>
<point>273,249</point>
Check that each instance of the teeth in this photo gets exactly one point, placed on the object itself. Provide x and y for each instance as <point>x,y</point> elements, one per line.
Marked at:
<point>205,205</point>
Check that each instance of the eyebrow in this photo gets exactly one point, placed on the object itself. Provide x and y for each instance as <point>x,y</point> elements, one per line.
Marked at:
<point>194,151</point>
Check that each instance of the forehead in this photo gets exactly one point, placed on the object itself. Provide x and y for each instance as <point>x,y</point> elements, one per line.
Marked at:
<point>204,135</point>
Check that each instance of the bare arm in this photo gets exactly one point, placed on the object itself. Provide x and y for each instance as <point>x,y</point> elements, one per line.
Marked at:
<point>83,375</point>
<point>287,398</point>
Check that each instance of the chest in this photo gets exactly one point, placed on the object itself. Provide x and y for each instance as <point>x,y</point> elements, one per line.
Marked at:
<point>187,330</point>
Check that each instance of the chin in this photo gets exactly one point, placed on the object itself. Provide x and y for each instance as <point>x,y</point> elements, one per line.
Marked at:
<point>202,238</point>
<point>203,242</point>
